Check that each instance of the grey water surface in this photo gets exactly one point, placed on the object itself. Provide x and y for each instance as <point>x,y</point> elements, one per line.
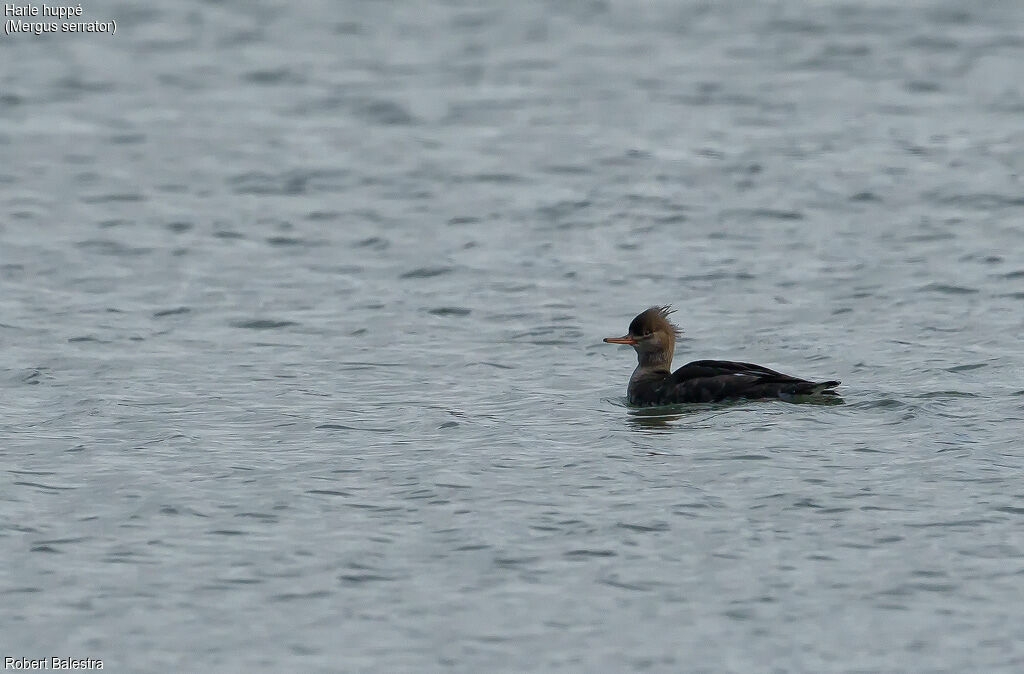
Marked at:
<point>301,308</point>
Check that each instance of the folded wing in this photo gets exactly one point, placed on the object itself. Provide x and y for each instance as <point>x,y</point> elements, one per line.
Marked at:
<point>714,380</point>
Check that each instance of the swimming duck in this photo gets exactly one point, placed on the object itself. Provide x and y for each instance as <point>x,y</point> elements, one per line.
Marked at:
<point>653,382</point>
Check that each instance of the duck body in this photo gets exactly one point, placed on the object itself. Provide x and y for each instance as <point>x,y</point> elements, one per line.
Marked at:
<point>707,381</point>
<point>702,381</point>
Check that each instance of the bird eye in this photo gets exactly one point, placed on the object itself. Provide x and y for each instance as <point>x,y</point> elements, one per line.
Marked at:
<point>647,332</point>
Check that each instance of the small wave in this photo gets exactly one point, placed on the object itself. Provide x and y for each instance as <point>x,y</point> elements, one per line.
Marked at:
<point>44,487</point>
<point>342,427</point>
<point>262,324</point>
<point>171,312</point>
<point>644,528</point>
<point>982,201</point>
<point>273,76</point>
<point>881,404</point>
<point>374,242</point>
<point>450,311</point>
<point>947,289</point>
<point>762,213</point>
<point>285,241</point>
<point>966,368</point>
<point>110,198</point>
<point>946,394</point>
<point>590,553</point>
<point>87,338</point>
<point>360,578</point>
<point>289,183</point>
<point>387,113</point>
<point>107,247</point>
<point>497,365</point>
<point>426,272</point>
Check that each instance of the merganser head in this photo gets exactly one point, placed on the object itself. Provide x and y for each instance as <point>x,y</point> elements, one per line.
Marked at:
<point>652,335</point>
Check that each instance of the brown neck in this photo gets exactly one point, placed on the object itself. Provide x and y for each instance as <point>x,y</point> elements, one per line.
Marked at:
<point>660,359</point>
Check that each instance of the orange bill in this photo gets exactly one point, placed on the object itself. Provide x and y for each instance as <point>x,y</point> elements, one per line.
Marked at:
<point>625,339</point>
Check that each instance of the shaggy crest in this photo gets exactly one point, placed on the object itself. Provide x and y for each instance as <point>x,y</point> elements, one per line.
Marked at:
<point>654,319</point>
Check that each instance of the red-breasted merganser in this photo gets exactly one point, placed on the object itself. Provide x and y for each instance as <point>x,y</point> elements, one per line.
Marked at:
<point>653,382</point>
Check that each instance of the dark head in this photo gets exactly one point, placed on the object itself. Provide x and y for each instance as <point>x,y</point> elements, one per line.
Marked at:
<point>653,336</point>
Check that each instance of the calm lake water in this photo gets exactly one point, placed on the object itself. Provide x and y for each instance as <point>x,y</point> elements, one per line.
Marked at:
<point>301,307</point>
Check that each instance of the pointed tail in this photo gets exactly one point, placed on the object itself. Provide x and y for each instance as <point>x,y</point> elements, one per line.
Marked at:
<point>823,388</point>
